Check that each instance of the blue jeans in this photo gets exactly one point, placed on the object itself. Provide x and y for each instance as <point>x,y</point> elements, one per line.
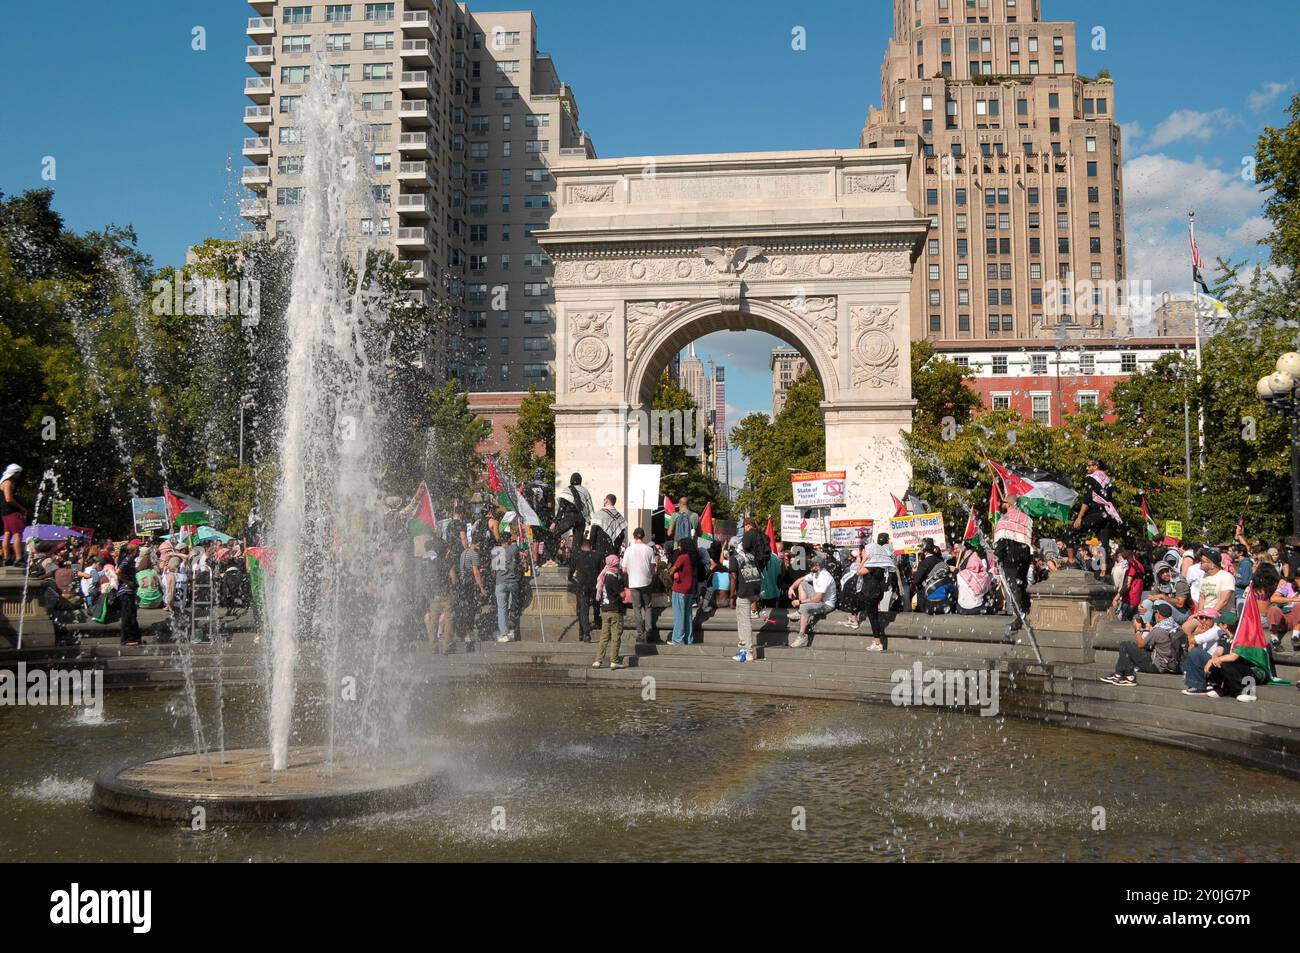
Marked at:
<point>683,618</point>
<point>507,604</point>
<point>1194,669</point>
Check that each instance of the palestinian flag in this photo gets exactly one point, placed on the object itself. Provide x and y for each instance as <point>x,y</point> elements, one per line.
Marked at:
<point>1251,644</point>
<point>995,505</point>
<point>971,537</point>
<point>900,508</point>
<point>1037,492</point>
<point>258,560</point>
<point>706,520</point>
<point>669,509</point>
<point>187,511</point>
<point>526,512</point>
<point>422,520</point>
<point>497,488</point>
<point>1153,531</point>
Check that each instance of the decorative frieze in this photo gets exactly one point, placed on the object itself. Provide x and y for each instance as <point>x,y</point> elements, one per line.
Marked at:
<point>642,317</point>
<point>579,194</point>
<point>859,184</point>
<point>820,314</point>
<point>875,345</point>
<point>766,266</point>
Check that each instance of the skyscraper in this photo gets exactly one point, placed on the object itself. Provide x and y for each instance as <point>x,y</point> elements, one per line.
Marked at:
<point>788,365</point>
<point>461,114</point>
<point>1019,168</point>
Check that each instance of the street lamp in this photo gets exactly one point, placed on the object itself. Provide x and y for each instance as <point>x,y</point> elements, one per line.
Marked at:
<point>245,403</point>
<point>1280,392</point>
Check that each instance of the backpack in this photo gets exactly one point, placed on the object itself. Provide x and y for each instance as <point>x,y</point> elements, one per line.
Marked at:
<point>682,525</point>
<point>940,577</point>
<point>615,583</point>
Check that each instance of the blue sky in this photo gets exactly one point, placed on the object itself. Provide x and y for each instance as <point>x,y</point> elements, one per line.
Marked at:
<point>142,127</point>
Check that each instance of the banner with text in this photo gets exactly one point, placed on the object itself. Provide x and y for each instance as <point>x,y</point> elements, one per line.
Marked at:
<point>818,489</point>
<point>909,533</point>
<point>149,513</point>
<point>800,527</point>
<point>851,533</point>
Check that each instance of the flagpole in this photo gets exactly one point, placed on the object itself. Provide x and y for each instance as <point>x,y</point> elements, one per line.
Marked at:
<point>1196,314</point>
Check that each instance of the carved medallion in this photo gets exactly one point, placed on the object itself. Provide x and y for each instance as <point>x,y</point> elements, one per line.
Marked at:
<point>591,193</point>
<point>859,184</point>
<point>591,368</point>
<point>875,351</point>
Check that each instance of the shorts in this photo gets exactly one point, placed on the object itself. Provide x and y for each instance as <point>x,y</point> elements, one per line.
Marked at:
<point>15,523</point>
<point>814,608</point>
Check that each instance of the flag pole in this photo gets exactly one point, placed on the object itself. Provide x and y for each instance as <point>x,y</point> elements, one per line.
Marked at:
<point>1196,314</point>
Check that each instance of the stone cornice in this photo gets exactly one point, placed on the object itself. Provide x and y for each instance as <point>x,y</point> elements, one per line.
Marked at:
<point>597,251</point>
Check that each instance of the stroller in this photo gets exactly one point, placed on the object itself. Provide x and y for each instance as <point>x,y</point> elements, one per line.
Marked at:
<point>234,591</point>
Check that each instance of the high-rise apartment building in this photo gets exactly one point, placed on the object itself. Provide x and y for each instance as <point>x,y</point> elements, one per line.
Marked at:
<point>1018,166</point>
<point>788,365</point>
<point>462,116</point>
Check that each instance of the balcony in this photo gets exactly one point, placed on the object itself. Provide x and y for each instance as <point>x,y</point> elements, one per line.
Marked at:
<point>256,177</point>
<point>415,84</point>
<point>257,147</point>
<point>261,28</point>
<point>417,270</point>
<point>263,7</point>
<point>421,4</point>
<point>416,112</point>
<point>414,174</point>
<point>416,143</point>
<point>415,205</point>
<point>254,208</point>
<point>416,52</point>
<point>418,23</point>
<point>415,297</point>
<point>257,117</point>
<point>258,88</point>
<point>411,238</point>
<point>257,235</point>
<point>260,58</point>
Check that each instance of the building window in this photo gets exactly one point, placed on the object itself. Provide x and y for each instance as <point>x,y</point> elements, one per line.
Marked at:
<point>935,324</point>
<point>1086,400</point>
<point>999,360</point>
<point>379,11</point>
<point>377,41</point>
<point>1038,364</point>
<point>1001,401</point>
<point>1042,404</point>
<point>1128,363</point>
<point>297,15</point>
<point>1087,364</point>
<point>338,12</point>
<point>338,43</point>
<point>537,201</point>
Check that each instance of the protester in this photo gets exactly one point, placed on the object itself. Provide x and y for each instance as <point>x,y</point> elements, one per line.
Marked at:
<point>610,585</point>
<point>1217,587</point>
<point>508,573</point>
<point>584,568</point>
<point>1129,596</point>
<point>13,516</point>
<point>812,595</point>
<point>640,563</point>
<point>1155,650</point>
<point>573,510</point>
<point>1011,541</point>
<point>608,528</point>
<point>746,585</point>
<point>1204,641</point>
<point>683,591</point>
<point>685,523</point>
<point>1097,514</point>
<point>973,582</point>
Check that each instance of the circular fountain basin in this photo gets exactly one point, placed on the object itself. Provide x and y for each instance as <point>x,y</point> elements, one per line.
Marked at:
<point>240,787</point>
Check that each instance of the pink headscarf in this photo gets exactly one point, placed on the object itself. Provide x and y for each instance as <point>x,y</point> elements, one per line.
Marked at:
<point>611,565</point>
<point>975,575</point>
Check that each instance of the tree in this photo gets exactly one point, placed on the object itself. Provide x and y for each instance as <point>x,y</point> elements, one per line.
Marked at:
<point>451,460</point>
<point>794,439</point>
<point>943,398</point>
<point>534,428</point>
<point>1277,169</point>
<point>680,460</point>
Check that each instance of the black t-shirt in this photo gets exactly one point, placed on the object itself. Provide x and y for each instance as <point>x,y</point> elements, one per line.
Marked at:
<point>584,568</point>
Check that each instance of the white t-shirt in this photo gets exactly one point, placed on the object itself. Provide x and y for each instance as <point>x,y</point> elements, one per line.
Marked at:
<point>1194,575</point>
<point>1212,587</point>
<point>824,583</point>
<point>639,561</point>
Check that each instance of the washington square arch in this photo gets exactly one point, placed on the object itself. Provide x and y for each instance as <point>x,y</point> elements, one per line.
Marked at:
<point>816,248</point>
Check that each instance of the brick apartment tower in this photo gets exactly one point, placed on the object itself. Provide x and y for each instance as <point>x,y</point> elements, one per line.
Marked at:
<point>1018,166</point>
<point>462,115</point>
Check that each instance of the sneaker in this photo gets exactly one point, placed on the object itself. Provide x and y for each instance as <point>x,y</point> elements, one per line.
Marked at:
<point>799,644</point>
<point>595,664</point>
<point>1245,698</point>
<point>1114,679</point>
<point>1212,693</point>
<point>875,647</point>
<point>512,635</point>
<point>1295,640</point>
<point>740,656</point>
<point>1188,691</point>
<point>1129,680</point>
<point>504,638</point>
<point>615,665</point>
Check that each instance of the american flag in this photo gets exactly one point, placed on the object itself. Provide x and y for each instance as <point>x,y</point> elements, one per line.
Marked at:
<point>1197,261</point>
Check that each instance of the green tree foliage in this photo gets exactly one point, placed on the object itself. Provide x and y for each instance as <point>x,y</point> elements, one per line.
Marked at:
<point>533,430</point>
<point>673,456</point>
<point>451,448</point>
<point>939,388</point>
<point>794,439</point>
<point>1277,169</point>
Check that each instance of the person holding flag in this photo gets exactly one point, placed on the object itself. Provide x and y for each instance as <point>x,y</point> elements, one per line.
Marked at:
<point>1013,538</point>
<point>1097,513</point>
<point>1247,663</point>
<point>573,509</point>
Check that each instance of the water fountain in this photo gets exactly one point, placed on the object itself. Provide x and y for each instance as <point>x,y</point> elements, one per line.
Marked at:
<point>327,591</point>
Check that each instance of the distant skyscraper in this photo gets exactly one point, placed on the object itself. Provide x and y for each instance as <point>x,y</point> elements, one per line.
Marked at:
<point>1018,164</point>
<point>718,390</point>
<point>691,378</point>
<point>788,365</point>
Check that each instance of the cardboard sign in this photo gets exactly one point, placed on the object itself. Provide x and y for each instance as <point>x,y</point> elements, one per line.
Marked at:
<point>62,512</point>
<point>798,526</point>
<point>149,513</point>
<point>819,489</point>
<point>1174,528</point>
<point>851,533</point>
<point>909,533</point>
<point>643,487</point>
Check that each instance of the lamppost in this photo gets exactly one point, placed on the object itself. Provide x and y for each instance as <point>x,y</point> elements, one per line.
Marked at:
<point>245,403</point>
<point>1280,392</point>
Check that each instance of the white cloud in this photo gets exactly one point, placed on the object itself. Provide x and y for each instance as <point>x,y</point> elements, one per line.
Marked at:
<point>1133,133</point>
<point>1158,193</point>
<point>1189,124</point>
<point>1266,96</point>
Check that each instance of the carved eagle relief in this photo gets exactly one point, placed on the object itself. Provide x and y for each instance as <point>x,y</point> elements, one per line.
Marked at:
<point>730,262</point>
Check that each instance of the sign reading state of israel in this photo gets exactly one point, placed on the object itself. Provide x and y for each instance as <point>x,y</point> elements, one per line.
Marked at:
<point>819,489</point>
